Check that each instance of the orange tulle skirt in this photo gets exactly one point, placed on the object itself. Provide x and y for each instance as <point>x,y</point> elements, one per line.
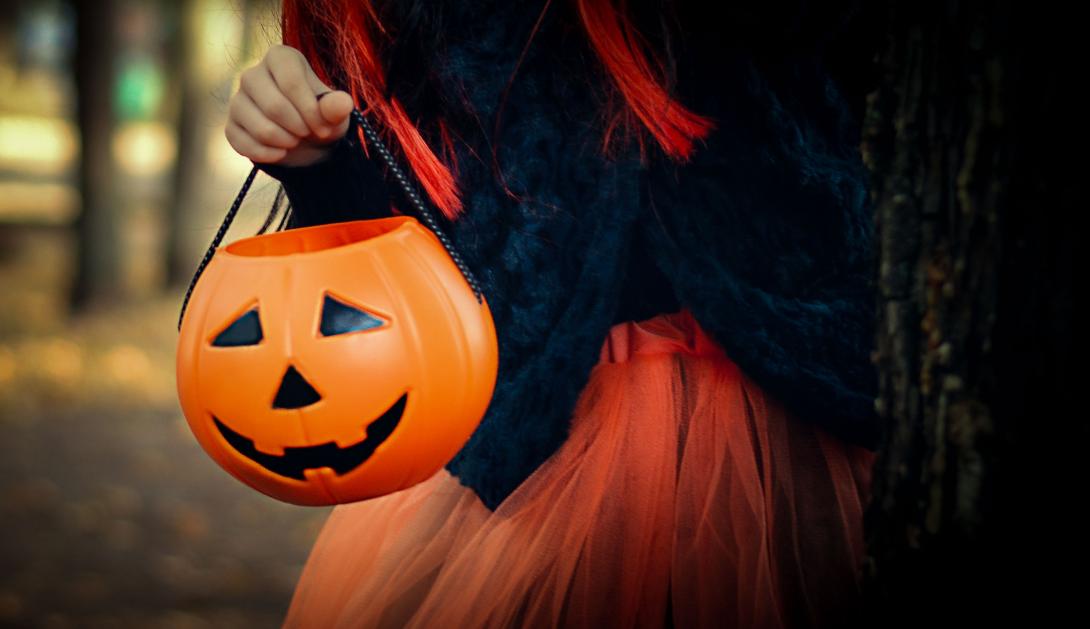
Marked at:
<point>684,497</point>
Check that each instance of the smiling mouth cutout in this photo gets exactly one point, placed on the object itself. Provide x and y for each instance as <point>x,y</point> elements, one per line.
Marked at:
<point>296,459</point>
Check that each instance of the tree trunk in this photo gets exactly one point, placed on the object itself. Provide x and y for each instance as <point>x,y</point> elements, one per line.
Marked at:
<point>191,113</point>
<point>193,92</point>
<point>98,229</point>
<point>976,486</point>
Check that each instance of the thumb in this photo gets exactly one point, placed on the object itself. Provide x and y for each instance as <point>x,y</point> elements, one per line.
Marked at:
<point>333,105</point>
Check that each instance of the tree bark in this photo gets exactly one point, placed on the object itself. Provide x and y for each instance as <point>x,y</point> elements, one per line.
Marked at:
<point>976,486</point>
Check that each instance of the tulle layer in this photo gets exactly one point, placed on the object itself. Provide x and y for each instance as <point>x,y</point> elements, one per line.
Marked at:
<point>683,497</point>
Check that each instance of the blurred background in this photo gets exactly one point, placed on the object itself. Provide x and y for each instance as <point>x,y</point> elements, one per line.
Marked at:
<point>114,175</point>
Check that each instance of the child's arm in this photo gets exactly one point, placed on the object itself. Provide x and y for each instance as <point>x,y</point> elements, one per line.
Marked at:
<point>345,185</point>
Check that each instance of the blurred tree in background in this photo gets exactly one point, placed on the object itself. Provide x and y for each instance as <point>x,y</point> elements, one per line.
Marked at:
<point>114,175</point>
<point>111,129</point>
<point>98,223</point>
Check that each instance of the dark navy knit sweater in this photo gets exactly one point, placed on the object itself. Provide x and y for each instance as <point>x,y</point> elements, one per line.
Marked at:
<point>765,235</point>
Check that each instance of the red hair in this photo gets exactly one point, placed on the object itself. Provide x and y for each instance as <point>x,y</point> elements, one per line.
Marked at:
<point>345,34</point>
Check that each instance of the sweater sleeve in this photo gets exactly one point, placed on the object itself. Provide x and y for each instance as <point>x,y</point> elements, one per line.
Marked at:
<point>768,238</point>
<point>345,185</point>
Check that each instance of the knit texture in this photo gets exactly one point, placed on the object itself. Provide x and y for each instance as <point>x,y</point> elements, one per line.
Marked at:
<point>765,235</point>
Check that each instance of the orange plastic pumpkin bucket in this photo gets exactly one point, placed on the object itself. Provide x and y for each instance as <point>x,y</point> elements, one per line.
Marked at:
<point>335,363</point>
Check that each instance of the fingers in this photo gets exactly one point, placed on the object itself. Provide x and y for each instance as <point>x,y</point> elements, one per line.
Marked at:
<point>297,81</point>
<point>247,146</point>
<point>247,115</point>
<point>276,115</point>
<point>258,84</point>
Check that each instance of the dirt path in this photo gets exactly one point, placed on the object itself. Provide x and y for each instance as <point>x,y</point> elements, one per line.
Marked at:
<point>112,515</point>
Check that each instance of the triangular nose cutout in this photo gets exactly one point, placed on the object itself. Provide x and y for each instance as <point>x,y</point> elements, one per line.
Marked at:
<point>295,391</point>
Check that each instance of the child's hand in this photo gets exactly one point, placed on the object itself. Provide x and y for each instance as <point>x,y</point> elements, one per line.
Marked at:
<point>276,116</point>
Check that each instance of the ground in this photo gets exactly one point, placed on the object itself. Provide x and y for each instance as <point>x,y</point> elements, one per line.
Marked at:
<point>112,515</point>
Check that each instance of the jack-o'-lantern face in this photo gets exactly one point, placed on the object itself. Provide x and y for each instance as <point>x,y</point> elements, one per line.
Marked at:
<point>335,363</point>
<point>296,392</point>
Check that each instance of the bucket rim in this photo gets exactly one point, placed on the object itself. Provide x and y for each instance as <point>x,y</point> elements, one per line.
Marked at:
<point>397,224</point>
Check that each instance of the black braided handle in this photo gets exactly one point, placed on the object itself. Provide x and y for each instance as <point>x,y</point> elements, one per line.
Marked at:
<point>406,186</point>
<point>216,241</point>
<point>414,198</point>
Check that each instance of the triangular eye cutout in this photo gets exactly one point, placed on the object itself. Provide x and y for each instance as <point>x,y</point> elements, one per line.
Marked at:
<point>341,318</point>
<point>246,330</point>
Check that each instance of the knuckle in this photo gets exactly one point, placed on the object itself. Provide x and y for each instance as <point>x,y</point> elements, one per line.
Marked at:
<point>282,62</point>
<point>234,111</point>
<point>272,54</point>
<point>246,79</point>
<point>281,50</point>
<point>290,80</point>
<point>265,133</point>
<point>279,110</point>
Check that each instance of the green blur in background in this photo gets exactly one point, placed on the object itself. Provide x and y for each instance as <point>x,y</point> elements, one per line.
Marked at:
<point>114,175</point>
